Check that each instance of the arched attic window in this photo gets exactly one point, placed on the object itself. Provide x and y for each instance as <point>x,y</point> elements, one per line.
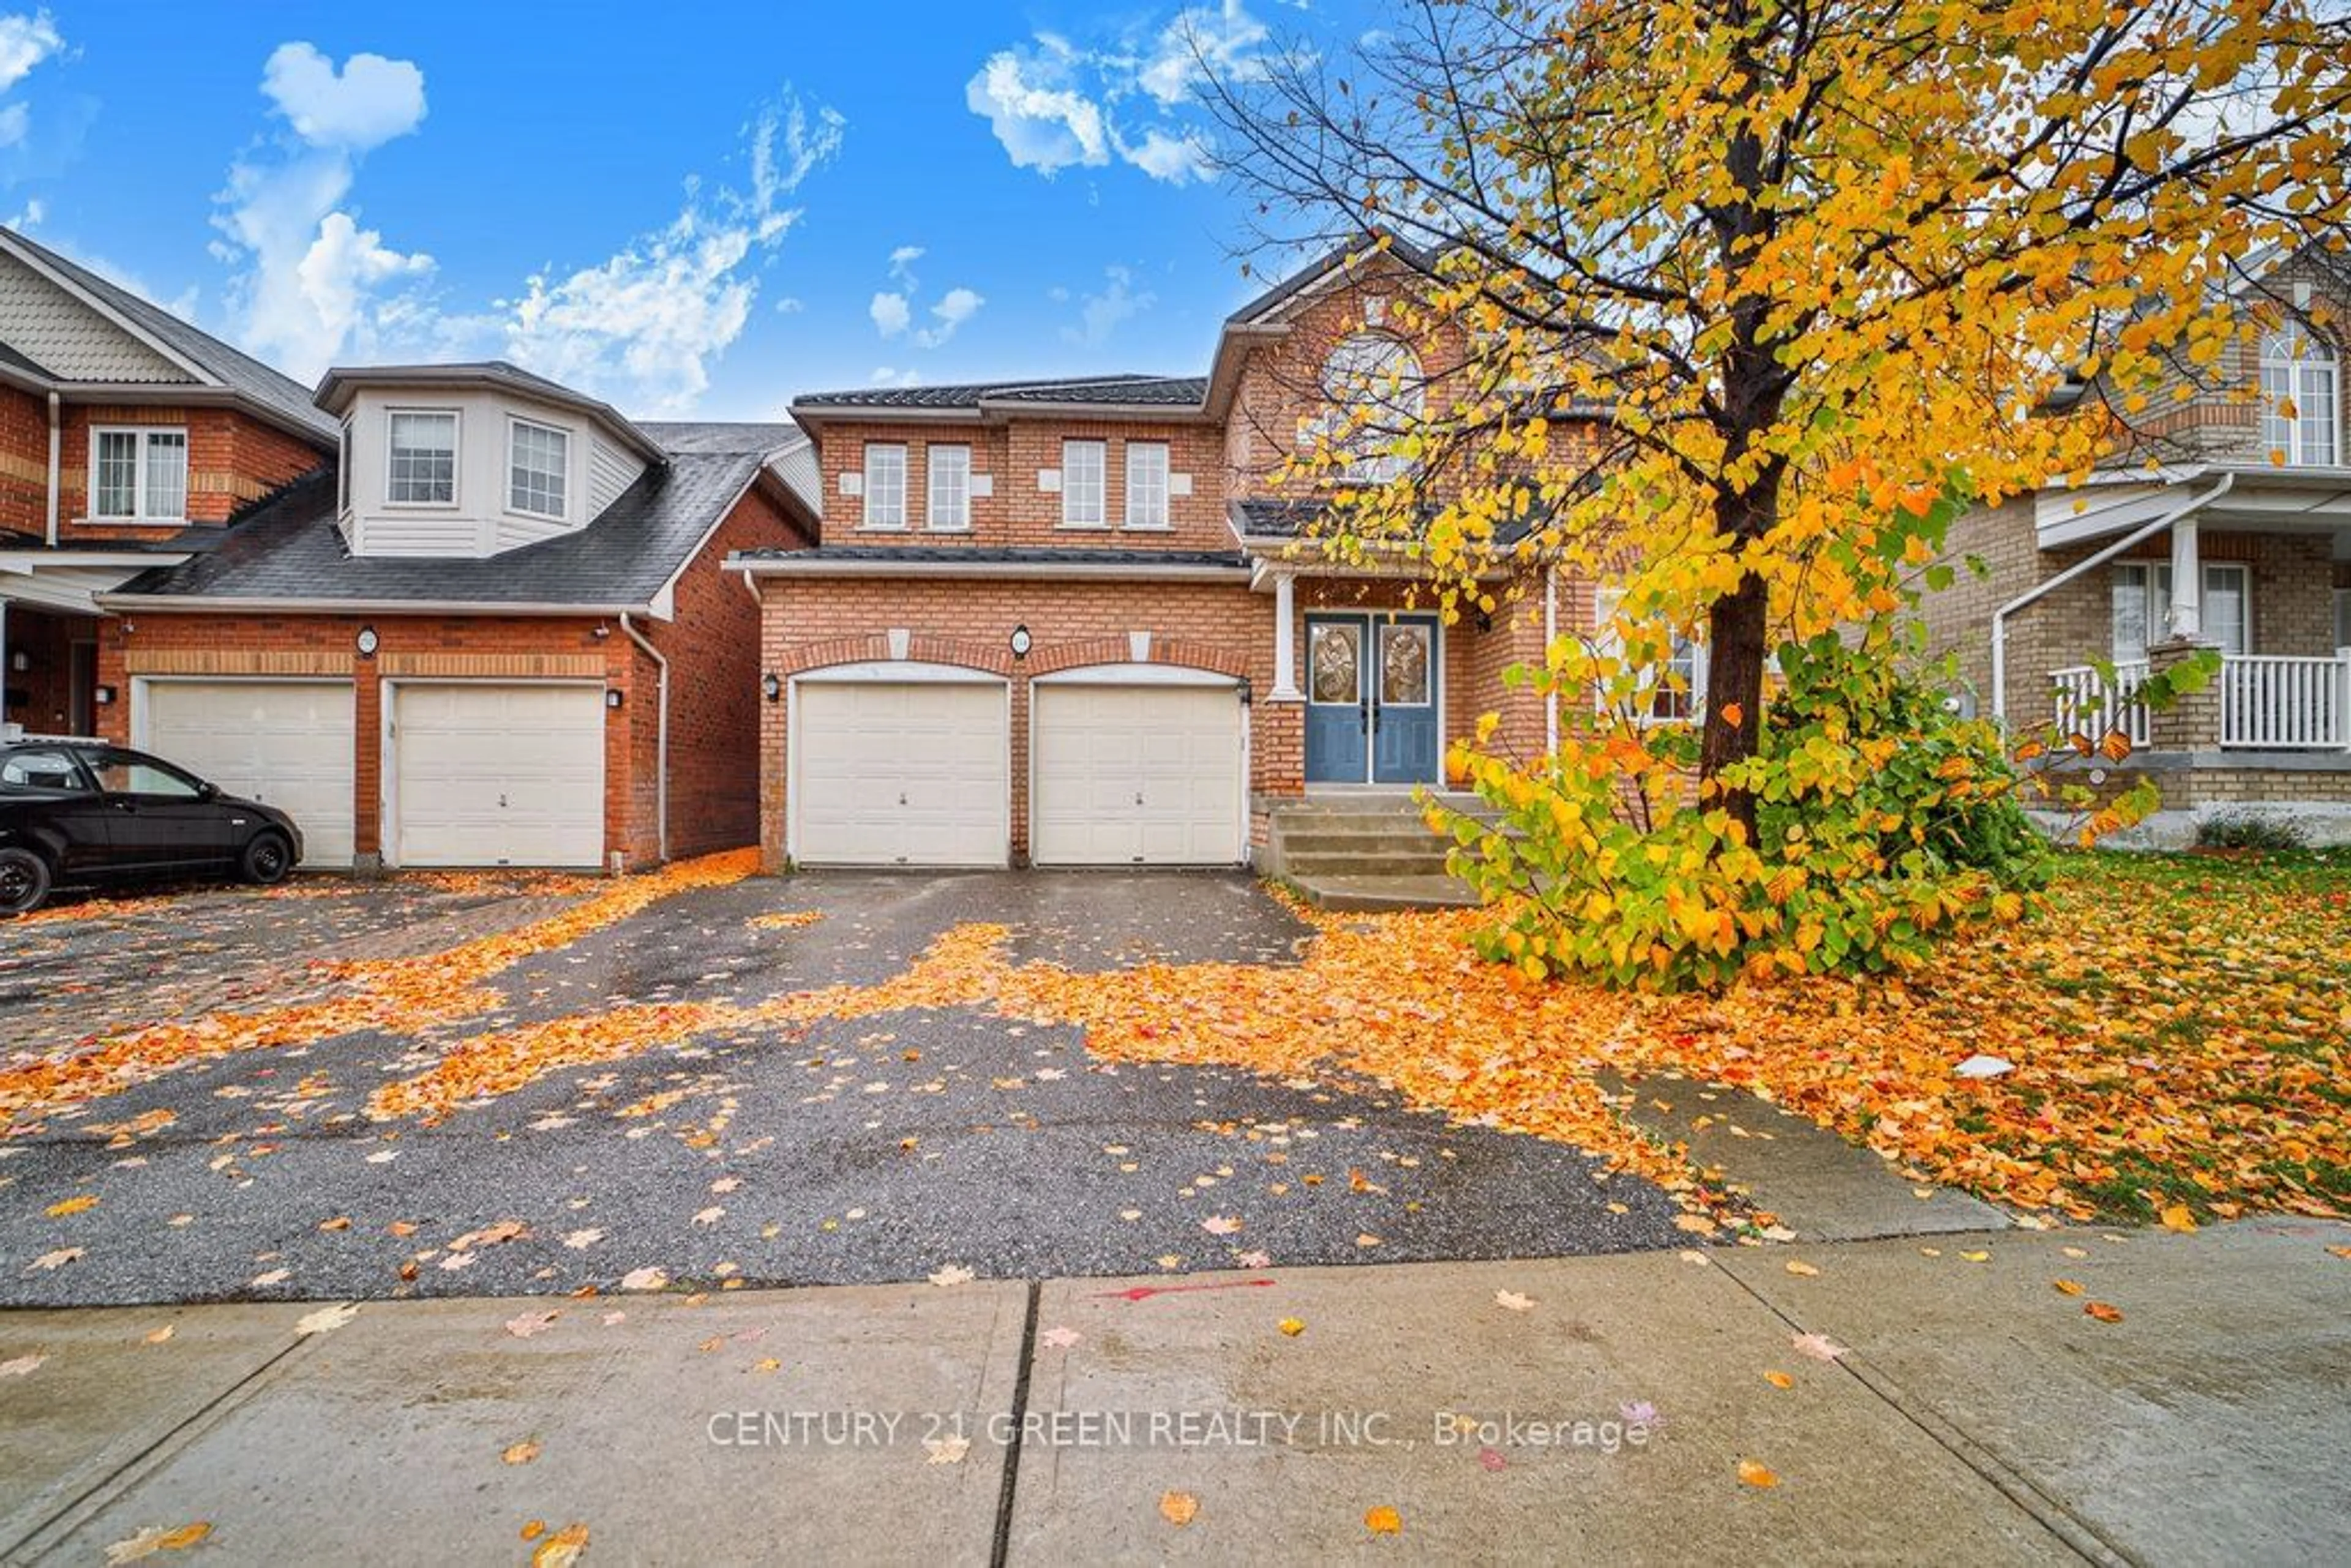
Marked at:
<point>2301,406</point>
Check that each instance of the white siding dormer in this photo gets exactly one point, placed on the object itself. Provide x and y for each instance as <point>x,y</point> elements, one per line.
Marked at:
<point>610,470</point>
<point>473,471</point>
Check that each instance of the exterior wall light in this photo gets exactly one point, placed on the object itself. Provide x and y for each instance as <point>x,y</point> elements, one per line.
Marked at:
<point>612,696</point>
<point>1021,641</point>
<point>105,696</point>
<point>367,642</point>
<point>771,686</point>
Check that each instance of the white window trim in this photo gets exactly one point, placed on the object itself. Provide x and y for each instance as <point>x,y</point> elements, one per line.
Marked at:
<point>1102,492</point>
<point>345,450</point>
<point>2343,618</point>
<point>2317,355</point>
<point>456,461</point>
<point>139,516</point>
<point>865,485</point>
<point>514,421</point>
<point>931,489</point>
<point>1166,487</point>
<point>1606,643</point>
<point>2144,570</point>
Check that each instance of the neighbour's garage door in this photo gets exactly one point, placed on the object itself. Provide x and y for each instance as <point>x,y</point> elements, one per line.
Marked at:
<point>284,743</point>
<point>900,773</point>
<point>1137,775</point>
<point>491,775</point>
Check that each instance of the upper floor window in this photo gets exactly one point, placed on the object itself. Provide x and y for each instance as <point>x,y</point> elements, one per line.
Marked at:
<point>1146,484</point>
<point>1083,463</point>
<point>539,459</point>
<point>885,486</point>
<point>343,472</point>
<point>139,475</point>
<point>2299,409</point>
<point>1372,383</point>
<point>423,458</point>
<point>949,507</point>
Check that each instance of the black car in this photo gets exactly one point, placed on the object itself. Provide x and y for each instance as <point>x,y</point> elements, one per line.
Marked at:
<point>81,812</point>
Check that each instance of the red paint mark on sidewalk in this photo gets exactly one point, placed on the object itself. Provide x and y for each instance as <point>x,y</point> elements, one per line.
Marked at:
<point>1145,1292</point>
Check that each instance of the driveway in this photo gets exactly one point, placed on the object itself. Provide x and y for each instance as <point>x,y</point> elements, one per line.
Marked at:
<point>706,1129</point>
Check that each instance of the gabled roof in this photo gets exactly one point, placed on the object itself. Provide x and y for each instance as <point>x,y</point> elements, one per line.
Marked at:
<point>1176,394</point>
<point>1262,521</point>
<point>289,550</point>
<point>343,381</point>
<point>1336,259</point>
<point>181,353</point>
<point>786,446</point>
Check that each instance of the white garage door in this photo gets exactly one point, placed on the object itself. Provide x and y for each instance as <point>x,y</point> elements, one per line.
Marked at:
<point>1137,775</point>
<point>284,743</point>
<point>491,775</point>
<point>900,773</point>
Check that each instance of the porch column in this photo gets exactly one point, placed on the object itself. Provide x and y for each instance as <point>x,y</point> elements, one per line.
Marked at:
<point>1285,642</point>
<point>2187,583</point>
<point>2192,723</point>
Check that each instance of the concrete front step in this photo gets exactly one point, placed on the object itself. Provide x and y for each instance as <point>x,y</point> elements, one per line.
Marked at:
<point>1400,864</point>
<point>1384,895</point>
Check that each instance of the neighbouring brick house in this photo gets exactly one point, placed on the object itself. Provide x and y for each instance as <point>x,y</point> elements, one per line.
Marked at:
<point>2230,529</point>
<point>1070,622</point>
<point>444,615</point>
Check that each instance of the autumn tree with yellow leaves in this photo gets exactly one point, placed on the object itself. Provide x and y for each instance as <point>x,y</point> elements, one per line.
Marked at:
<point>1814,269</point>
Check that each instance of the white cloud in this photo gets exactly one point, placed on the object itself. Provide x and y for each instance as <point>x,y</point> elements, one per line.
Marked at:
<point>790,306</point>
<point>369,102</point>
<point>1099,315</point>
<point>890,313</point>
<point>1044,123</point>
<point>1055,105</point>
<point>643,326</point>
<point>305,291</point>
<point>25,42</point>
<point>902,263</point>
<point>1229,40</point>
<point>956,307</point>
<point>15,120</point>
<point>885,376</point>
<point>1177,160</point>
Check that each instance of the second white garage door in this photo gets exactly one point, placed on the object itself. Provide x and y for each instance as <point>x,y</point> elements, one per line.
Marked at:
<point>900,773</point>
<point>491,775</point>
<point>287,744</point>
<point>1136,776</point>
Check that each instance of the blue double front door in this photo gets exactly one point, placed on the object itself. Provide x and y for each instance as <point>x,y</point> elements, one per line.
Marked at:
<point>1370,698</point>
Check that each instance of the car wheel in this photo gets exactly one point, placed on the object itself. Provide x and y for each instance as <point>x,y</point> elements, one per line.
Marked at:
<point>23,881</point>
<point>266,860</point>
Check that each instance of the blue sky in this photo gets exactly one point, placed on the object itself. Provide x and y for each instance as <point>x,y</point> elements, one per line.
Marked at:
<point>702,215</point>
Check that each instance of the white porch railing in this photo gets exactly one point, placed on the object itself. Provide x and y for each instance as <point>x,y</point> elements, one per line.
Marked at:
<point>2268,702</point>
<point>2087,704</point>
<point>2286,704</point>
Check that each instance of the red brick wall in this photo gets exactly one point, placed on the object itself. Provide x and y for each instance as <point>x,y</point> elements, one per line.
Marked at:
<point>1228,629</point>
<point>713,647</point>
<point>24,460</point>
<point>233,458</point>
<point>1018,512</point>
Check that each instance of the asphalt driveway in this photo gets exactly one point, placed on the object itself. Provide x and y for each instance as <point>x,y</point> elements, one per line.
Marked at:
<point>881,1148</point>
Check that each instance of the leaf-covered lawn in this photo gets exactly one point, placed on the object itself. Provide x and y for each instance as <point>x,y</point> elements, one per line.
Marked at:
<point>2176,1030</point>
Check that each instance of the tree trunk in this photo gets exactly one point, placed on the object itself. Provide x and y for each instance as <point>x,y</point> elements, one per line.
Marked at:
<point>1737,628</point>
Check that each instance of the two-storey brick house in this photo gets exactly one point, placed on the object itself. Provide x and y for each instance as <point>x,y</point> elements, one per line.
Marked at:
<point>2228,526</point>
<point>444,614</point>
<point>1071,622</point>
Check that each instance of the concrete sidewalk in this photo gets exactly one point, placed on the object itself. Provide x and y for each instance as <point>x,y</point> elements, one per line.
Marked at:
<point>1619,1406</point>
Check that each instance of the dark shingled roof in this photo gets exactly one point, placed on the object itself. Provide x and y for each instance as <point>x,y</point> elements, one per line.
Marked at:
<point>288,548</point>
<point>241,374</point>
<point>1173,392</point>
<point>1263,519</point>
<point>1031,555</point>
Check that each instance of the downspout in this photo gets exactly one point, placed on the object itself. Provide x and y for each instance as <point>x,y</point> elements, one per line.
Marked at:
<point>57,436</point>
<point>752,588</point>
<point>1550,630</point>
<point>2000,616</point>
<point>660,743</point>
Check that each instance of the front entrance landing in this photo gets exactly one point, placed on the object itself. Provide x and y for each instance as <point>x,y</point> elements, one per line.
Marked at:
<point>1365,850</point>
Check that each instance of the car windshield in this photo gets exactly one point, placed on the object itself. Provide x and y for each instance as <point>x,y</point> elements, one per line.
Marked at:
<point>120,773</point>
<point>41,769</point>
